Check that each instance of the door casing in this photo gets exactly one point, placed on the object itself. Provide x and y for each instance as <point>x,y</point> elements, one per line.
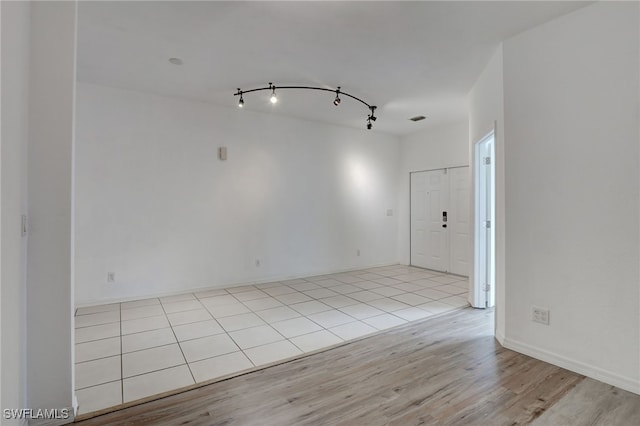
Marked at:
<point>483,293</point>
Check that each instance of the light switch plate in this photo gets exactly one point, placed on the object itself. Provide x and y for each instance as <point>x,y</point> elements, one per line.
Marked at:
<point>540,315</point>
<point>222,153</point>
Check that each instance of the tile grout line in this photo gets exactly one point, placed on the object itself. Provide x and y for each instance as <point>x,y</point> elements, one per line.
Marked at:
<point>95,325</point>
<point>121,361</point>
<point>177,341</point>
<point>97,340</point>
<point>155,371</point>
<point>100,357</point>
<point>228,332</point>
<point>96,385</point>
<point>270,325</point>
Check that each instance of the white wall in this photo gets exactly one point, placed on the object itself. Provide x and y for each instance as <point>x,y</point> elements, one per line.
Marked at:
<point>572,191</point>
<point>486,111</point>
<point>157,207</point>
<point>49,288</point>
<point>14,138</point>
<point>444,145</point>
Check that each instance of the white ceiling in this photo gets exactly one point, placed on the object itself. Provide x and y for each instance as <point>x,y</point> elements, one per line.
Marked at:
<point>408,58</point>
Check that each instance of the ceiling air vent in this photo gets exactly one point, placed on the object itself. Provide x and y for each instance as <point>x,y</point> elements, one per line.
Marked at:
<point>418,118</point>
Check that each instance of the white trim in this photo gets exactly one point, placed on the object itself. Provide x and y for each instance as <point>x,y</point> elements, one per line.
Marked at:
<point>478,296</point>
<point>75,398</point>
<point>500,338</point>
<point>597,373</point>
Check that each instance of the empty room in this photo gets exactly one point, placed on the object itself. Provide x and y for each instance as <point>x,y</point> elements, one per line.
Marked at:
<point>337,212</point>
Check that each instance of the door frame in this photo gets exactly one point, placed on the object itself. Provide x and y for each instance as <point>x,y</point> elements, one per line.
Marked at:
<point>484,209</point>
<point>410,218</point>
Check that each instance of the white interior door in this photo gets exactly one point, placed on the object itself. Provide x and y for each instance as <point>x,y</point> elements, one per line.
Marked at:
<point>460,220</point>
<point>484,272</point>
<point>429,232</point>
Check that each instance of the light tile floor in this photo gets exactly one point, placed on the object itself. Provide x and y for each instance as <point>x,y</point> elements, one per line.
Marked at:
<point>132,350</point>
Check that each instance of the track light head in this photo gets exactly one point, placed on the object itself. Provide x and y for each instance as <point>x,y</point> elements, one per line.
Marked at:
<point>241,101</point>
<point>336,101</point>
<point>273,97</point>
<point>371,117</point>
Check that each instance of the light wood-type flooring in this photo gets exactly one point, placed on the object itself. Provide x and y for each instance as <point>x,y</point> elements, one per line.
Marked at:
<point>447,370</point>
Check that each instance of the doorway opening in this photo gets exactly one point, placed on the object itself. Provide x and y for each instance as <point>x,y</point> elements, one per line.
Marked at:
<point>484,226</point>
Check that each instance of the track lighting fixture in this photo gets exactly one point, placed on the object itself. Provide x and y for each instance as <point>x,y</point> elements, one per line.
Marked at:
<point>336,101</point>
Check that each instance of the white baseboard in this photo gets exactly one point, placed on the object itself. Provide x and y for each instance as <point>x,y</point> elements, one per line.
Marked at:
<point>75,404</point>
<point>591,371</point>
<point>500,338</point>
<point>93,302</point>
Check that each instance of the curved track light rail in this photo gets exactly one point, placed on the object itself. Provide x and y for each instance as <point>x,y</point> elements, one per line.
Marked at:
<point>372,108</point>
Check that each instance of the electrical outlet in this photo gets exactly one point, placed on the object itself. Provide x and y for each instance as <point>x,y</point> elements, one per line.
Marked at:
<point>111,277</point>
<point>389,212</point>
<point>540,315</point>
<point>358,252</point>
<point>257,263</point>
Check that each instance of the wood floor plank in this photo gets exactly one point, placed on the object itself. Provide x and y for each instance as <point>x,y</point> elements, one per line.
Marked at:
<point>594,403</point>
<point>447,370</point>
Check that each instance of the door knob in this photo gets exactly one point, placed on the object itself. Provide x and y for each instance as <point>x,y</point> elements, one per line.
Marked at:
<point>444,225</point>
